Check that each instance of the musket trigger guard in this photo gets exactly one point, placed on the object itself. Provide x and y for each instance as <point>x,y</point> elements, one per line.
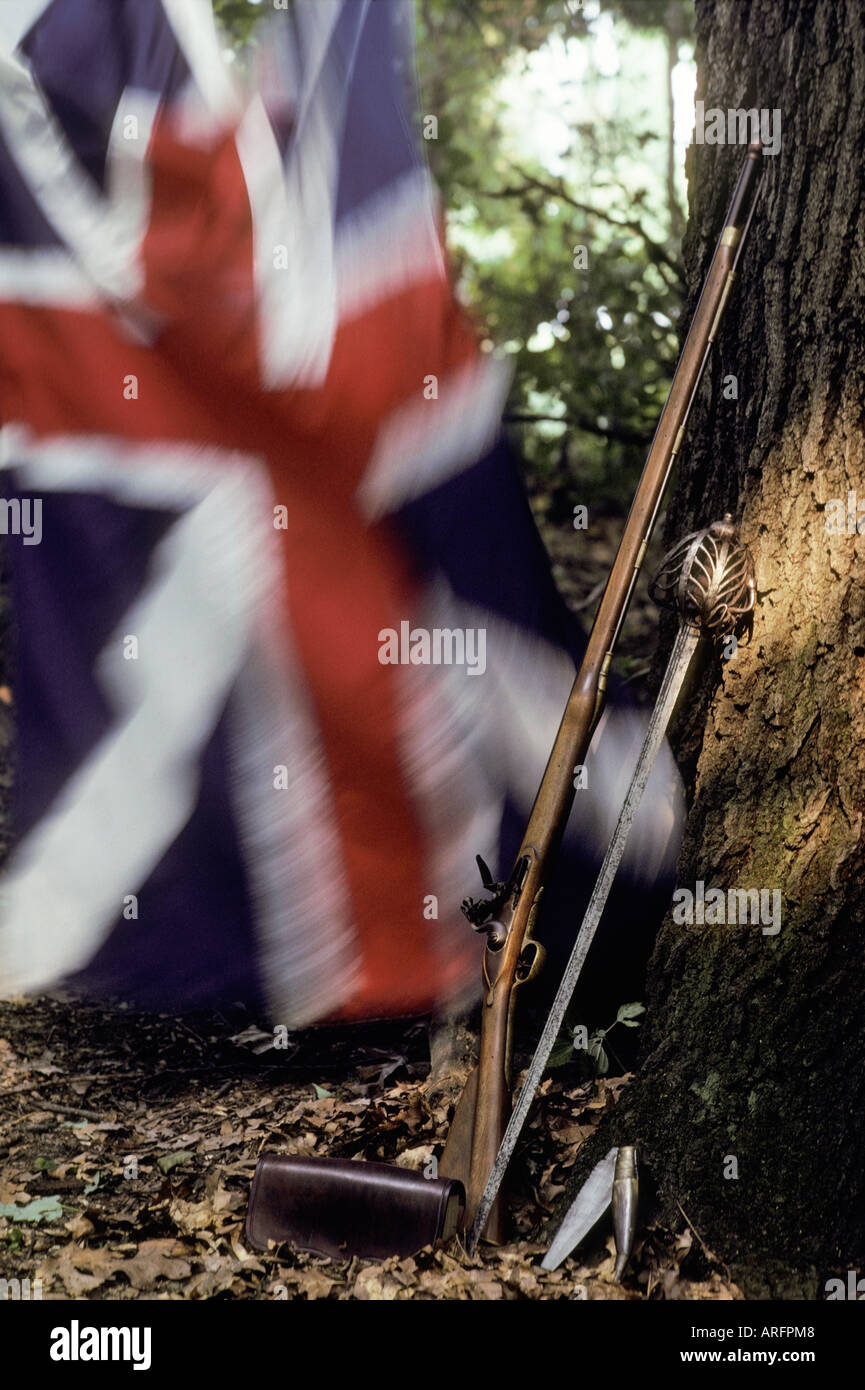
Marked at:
<point>531,962</point>
<point>533,954</point>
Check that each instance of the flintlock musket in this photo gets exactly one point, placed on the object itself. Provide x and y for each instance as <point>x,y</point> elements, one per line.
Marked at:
<point>511,956</point>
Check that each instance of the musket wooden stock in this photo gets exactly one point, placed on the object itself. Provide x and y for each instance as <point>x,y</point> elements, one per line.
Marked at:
<point>511,957</point>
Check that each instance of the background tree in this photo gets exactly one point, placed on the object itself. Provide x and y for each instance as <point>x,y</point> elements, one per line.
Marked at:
<point>590,332</point>
<point>755,1045</point>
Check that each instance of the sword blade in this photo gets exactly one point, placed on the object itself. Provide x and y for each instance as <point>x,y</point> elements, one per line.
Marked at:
<point>680,660</point>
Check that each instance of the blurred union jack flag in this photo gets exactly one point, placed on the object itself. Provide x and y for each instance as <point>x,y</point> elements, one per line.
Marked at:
<point>260,433</point>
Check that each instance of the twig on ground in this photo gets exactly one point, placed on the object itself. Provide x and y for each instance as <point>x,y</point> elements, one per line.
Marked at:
<point>95,1115</point>
<point>710,1254</point>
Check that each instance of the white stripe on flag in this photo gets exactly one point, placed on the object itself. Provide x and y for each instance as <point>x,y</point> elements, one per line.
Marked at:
<point>17,18</point>
<point>292,220</point>
<point>216,572</point>
<point>294,204</point>
<point>519,705</point>
<point>309,959</point>
<point>194,29</point>
<point>424,442</point>
<point>101,235</point>
<point>119,812</point>
<point>50,276</point>
<point>388,243</point>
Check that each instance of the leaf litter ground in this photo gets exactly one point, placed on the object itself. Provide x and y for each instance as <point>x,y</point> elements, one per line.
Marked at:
<point>128,1143</point>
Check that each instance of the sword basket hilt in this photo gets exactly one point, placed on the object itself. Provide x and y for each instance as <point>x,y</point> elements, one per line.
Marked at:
<point>709,578</point>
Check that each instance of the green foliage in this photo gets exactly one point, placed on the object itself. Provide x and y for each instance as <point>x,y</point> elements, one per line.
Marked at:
<point>597,1052</point>
<point>593,348</point>
<point>238,17</point>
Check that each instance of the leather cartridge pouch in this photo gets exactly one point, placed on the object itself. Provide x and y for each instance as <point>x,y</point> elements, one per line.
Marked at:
<point>340,1208</point>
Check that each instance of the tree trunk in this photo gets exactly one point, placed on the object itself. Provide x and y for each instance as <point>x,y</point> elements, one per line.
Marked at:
<point>749,1104</point>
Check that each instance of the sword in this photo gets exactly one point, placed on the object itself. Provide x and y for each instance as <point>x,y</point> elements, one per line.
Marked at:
<point>709,576</point>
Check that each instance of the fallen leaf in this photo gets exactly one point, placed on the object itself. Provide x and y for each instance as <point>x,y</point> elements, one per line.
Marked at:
<point>154,1260</point>
<point>414,1158</point>
<point>40,1209</point>
<point>79,1227</point>
<point>255,1039</point>
<point>80,1270</point>
<point>371,1284</point>
<point>12,1192</point>
<point>310,1283</point>
<point>209,1282</point>
<point>487,1289</point>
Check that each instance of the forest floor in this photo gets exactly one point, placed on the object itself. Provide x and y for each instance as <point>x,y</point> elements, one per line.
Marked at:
<point>128,1143</point>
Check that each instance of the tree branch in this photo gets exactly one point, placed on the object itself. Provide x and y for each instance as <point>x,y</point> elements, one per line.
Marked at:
<point>620,433</point>
<point>626,224</point>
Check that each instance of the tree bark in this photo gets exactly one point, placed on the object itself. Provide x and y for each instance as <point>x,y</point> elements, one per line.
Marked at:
<point>754,1045</point>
